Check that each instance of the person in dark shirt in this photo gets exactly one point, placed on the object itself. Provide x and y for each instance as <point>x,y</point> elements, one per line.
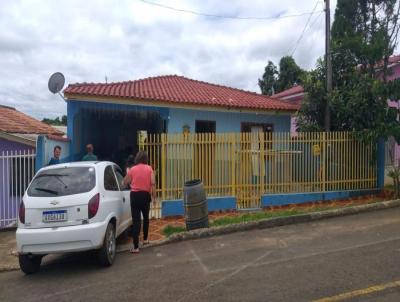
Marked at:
<point>89,156</point>
<point>56,156</point>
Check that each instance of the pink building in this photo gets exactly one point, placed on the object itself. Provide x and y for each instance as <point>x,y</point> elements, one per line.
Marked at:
<point>295,95</point>
<point>393,149</point>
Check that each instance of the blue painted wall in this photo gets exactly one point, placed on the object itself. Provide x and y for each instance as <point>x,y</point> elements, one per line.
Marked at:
<point>45,151</point>
<point>175,207</point>
<point>225,121</point>
<point>295,198</point>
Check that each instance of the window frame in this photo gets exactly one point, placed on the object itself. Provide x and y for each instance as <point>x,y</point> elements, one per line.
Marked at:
<point>118,169</point>
<point>205,121</point>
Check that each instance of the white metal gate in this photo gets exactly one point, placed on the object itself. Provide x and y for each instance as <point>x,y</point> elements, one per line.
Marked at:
<point>17,168</point>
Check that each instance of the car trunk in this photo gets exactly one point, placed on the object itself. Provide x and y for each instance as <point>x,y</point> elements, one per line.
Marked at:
<point>47,212</point>
<point>59,197</point>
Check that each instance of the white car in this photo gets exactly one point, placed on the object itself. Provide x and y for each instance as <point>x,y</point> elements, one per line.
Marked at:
<point>71,208</point>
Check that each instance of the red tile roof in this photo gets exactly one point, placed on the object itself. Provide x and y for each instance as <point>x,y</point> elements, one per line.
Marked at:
<point>179,90</point>
<point>291,91</point>
<point>13,121</point>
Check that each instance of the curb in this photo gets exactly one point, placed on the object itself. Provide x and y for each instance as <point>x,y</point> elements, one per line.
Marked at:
<point>271,222</point>
<point>8,268</point>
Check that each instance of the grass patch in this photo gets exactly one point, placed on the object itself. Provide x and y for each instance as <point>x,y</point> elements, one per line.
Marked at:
<point>169,230</point>
<point>255,216</point>
<point>389,187</point>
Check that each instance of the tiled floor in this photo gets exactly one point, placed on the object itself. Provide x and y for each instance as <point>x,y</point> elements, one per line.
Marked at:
<point>157,225</point>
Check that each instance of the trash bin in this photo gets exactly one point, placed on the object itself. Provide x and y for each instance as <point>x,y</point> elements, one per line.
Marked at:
<point>195,204</point>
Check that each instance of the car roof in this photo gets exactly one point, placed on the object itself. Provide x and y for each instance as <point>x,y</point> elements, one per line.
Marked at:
<point>80,164</point>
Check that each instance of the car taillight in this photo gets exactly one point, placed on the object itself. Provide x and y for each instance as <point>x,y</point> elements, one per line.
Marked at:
<point>21,212</point>
<point>94,205</point>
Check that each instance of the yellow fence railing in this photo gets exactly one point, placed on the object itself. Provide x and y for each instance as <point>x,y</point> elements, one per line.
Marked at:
<point>247,165</point>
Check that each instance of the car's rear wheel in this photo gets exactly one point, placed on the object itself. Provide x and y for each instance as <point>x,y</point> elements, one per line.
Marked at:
<point>108,250</point>
<point>30,264</point>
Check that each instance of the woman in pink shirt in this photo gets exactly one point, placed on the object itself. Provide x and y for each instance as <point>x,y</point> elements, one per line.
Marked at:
<point>142,182</point>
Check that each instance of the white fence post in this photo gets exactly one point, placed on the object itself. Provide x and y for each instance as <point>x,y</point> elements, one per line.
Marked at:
<point>17,170</point>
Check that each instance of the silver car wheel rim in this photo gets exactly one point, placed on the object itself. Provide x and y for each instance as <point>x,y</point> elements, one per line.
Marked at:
<point>111,245</point>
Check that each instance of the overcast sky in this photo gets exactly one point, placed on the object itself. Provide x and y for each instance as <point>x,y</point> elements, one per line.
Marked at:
<point>129,39</point>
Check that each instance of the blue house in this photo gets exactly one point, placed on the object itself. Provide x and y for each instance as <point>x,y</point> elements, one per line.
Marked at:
<point>112,117</point>
<point>109,115</point>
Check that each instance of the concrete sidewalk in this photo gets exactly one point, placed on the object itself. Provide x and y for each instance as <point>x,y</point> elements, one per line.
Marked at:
<point>9,256</point>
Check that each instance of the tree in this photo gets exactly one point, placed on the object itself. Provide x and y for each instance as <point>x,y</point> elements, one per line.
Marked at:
<point>56,121</point>
<point>311,115</point>
<point>269,79</point>
<point>362,41</point>
<point>289,73</point>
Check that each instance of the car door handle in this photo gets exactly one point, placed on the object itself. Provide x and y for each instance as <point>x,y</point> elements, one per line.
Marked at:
<point>123,199</point>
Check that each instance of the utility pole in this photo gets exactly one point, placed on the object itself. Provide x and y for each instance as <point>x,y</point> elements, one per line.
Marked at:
<point>328,64</point>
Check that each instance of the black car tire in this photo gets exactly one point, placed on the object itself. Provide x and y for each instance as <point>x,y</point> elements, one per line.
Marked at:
<point>29,264</point>
<point>108,250</point>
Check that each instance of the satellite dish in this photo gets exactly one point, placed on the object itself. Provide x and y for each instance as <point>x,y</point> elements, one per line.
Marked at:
<point>56,82</point>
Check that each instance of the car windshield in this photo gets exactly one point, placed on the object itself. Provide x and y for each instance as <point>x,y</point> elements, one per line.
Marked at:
<point>63,181</point>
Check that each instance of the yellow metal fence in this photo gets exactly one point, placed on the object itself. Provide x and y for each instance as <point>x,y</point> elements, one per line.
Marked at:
<point>248,165</point>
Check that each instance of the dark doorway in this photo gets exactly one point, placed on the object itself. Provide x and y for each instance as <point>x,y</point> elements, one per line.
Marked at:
<point>113,132</point>
<point>204,153</point>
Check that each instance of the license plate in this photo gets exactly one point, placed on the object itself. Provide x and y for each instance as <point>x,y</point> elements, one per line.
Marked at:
<point>55,216</point>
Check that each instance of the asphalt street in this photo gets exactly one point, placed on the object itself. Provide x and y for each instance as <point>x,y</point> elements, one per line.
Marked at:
<point>351,258</point>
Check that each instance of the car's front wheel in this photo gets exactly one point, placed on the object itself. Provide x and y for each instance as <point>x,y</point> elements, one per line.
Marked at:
<point>108,250</point>
<point>29,264</point>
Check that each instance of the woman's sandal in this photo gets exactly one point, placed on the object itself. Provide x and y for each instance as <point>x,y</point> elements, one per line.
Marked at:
<point>146,242</point>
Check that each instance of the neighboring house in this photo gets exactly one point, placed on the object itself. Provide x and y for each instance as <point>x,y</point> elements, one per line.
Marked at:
<point>393,149</point>
<point>18,131</point>
<point>109,115</point>
<point>62,129</point>
<point>18,137</point>
<point>295,96</point>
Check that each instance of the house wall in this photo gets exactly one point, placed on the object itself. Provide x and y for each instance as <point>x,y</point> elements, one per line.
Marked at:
<point>394,73</point>
<point>6,145</point>
<point>225,121</point>
<point>45,151</point>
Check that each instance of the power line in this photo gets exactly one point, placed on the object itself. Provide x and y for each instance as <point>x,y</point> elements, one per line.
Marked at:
<point>304,29</point>
<point>224,16</point>
<point>311,26</point>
